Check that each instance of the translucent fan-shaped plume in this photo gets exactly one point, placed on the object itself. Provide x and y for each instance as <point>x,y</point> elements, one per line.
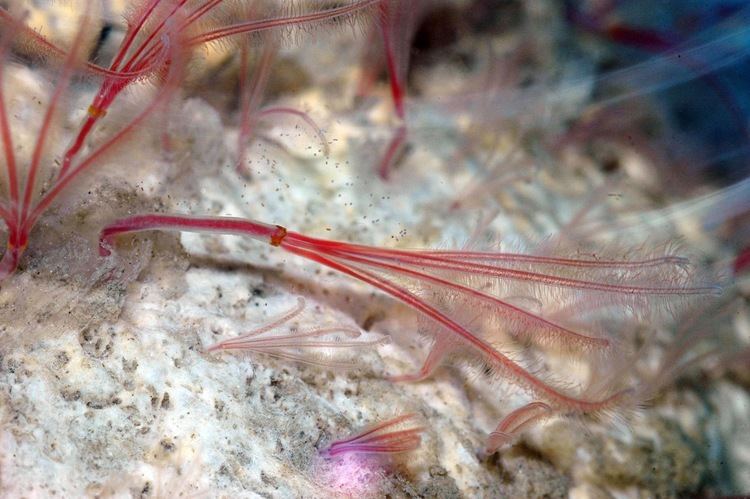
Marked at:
<point>479,302</point>
<point>309,346</point>
<point>393,436</point>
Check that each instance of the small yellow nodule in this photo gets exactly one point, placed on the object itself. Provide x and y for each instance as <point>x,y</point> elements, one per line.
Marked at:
<point>278,236</point>
<point>96,112</point>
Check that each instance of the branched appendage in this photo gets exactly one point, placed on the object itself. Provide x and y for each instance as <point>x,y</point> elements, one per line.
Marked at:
<point>444,285</point>
<point>514,423</point>
<point>380,439</point>
<point>157,46</point>
<point>250,96</point>
<point>296,345</point>
<point>397,24</point>
<point>387,27</point>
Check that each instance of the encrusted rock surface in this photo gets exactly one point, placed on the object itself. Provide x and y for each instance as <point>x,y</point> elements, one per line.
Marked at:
<point>106,389</point>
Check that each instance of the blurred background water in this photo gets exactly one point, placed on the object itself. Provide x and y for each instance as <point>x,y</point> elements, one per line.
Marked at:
<point>709,133</point>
